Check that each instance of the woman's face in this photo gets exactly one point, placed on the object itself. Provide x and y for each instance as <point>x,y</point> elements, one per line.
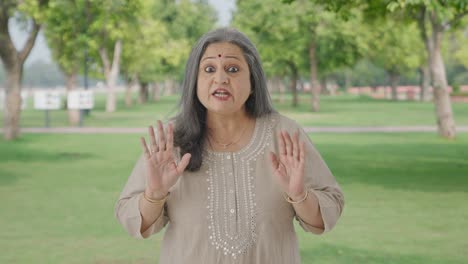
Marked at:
<point>223,84</point>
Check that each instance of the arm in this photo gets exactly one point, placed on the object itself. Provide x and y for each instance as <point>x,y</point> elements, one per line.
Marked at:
<point>139,217</point>
<point>141,206</point>
<point>306,180</point>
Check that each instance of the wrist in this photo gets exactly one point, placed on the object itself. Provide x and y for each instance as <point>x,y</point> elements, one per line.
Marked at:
<point>156,195</point>
<point>297,196</point>
<point>297,199</point>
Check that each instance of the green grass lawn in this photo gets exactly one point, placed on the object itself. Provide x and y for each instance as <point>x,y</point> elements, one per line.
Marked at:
<point>343,110</point>
<point>405,200</point>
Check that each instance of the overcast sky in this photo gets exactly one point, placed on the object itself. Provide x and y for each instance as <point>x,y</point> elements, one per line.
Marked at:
<point>42,52</point>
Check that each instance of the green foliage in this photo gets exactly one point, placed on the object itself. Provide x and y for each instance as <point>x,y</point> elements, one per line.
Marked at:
<point>158,46</point>
<point>365,73</point>
<point>65,32</point>
<point>283,33</point>
<point>396,46</point>
<point>275,30</point>
<point>34,9</point>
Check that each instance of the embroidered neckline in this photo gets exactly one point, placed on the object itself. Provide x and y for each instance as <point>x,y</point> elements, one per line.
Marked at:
<point>231,192</point>
<point>244,148</point>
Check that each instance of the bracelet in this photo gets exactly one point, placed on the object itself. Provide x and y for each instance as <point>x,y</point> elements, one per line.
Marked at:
<point>289,200</point>
<point>154,201</point>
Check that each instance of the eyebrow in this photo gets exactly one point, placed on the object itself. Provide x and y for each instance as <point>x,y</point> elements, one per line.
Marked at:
<point>227,56</point>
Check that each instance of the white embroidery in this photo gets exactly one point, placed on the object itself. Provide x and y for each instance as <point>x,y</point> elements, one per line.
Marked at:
<point>231,193</point>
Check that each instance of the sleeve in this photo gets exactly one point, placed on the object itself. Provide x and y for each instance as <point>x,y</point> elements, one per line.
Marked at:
<point>320,181</point>
<point>127,210</point>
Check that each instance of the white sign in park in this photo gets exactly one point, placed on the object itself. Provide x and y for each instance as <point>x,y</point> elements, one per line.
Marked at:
<point>24,100</point>
<point>47,100</point>
<point>83,99</point>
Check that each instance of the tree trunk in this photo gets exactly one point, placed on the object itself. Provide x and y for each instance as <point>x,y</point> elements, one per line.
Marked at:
<point>282,90</point>
<point>169,86</point>
<point>128,95</point>
<point>156,92</point>
<point>270,86</point>
<point>143,93</point>
<point>443,105</point>
<point>13,61</point>
<point>129,91</point>
<point>11,115</point>
<point>394,79</point>
<point>426,67</point>
<point>111,71</point>
<point>424,82</point>
<point>323,86</point>
<point>314,82</point>
<point>347,82</point>
<point>293,83</point>
<point>73,114</point>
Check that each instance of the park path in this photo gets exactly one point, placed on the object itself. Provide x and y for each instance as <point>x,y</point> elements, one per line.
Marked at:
<point>341,129</point>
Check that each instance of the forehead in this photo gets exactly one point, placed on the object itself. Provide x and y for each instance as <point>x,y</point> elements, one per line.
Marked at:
<point>223,49</point>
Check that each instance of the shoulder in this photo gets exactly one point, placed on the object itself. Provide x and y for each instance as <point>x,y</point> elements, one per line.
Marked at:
<point>278,122</point>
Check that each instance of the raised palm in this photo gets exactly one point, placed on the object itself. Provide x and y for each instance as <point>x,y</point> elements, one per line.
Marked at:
<point>288,166</point>
<point>162,169</point>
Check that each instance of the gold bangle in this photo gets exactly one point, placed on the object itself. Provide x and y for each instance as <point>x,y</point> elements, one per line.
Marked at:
<point>289,200</point>
<point>154,201</point>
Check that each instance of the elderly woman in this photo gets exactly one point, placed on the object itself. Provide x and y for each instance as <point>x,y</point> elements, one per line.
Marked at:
<point>231,174</point>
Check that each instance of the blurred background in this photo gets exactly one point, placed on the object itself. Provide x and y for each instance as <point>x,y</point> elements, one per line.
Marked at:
<point>380,85</point>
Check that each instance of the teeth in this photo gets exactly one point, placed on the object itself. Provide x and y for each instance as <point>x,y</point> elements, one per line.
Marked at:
<point>221,94</point>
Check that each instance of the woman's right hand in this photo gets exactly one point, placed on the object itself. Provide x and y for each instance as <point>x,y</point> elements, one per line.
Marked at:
<point>161,167</point>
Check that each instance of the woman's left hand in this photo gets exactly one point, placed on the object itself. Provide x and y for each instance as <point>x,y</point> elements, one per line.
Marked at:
<point>288,166</point>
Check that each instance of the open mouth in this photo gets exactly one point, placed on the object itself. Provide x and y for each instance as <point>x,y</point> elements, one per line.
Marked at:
<point>221,94</point>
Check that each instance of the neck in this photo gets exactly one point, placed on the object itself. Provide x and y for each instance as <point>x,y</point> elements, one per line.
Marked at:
<point>222,124</point>
<point>228,132</point>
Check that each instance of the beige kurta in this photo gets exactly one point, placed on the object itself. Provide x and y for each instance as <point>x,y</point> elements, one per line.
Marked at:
<point>232,210</point>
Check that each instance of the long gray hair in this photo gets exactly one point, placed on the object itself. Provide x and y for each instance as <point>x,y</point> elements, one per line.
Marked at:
<point>190,121</point>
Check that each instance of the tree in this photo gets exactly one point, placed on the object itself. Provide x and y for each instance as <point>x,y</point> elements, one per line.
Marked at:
<point>109,24</point>
<point>30,12</point>
<point>186,22</point>
<point>395,47</point>
<point>303,37</point>
<point>275,29</point>
<point>65,32</point>
<point>435,18</point>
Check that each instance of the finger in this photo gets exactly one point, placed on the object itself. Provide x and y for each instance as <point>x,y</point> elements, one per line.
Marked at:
<point>295,147</point>
<point>170,137</point>
<point>161,138</point>
<point>183,163</point>
<point>154,146</point>
<point>282,146</point>
<point>146,151</point>
<point>302,152</point>
<point>274,161</point>
<point>288,143</point>
<point>278,169</point>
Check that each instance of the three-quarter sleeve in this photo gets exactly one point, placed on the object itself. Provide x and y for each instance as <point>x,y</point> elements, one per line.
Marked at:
<point>127,210</point>
<point>318,180</point>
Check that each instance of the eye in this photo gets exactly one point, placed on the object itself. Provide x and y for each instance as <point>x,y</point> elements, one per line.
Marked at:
<point>209,69</point>
<point>233,69</point>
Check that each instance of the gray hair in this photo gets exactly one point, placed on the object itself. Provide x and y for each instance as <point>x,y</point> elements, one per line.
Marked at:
<point>190,122</point>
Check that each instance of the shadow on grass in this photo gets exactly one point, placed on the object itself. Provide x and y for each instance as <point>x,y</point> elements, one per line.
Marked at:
<point>20,153</point>
<point>326,253</point>
<point>409,166</point>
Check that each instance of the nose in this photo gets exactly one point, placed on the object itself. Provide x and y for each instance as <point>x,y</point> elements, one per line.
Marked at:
<point>221,77</point>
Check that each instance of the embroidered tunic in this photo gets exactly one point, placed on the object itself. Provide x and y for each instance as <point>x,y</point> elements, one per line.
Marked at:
<point>232,210</point>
